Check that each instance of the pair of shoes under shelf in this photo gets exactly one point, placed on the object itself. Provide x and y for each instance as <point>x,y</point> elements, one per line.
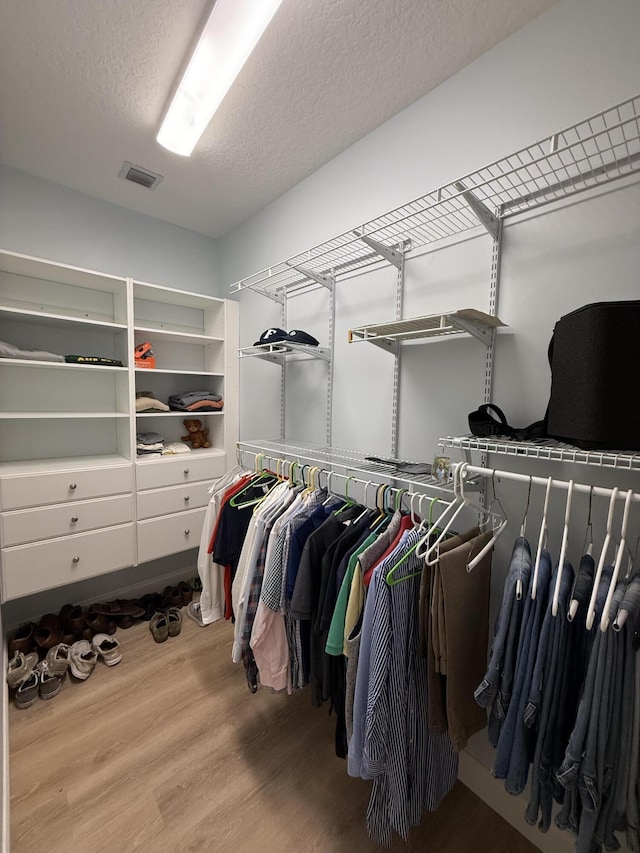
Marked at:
<point>165,625</point>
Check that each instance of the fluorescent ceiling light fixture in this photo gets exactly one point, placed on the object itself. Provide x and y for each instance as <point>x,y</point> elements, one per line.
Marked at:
<point>232,31</point>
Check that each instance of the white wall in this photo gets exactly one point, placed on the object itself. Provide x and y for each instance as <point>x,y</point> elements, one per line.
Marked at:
<point>577,59</point>
<point>44,219</point>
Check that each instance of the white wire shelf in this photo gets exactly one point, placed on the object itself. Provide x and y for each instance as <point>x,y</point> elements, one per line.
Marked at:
<point>598,150</point>
<point>466,321</point>
<point>546,449</point>
<point>281,352</point>
<point>344,463</point>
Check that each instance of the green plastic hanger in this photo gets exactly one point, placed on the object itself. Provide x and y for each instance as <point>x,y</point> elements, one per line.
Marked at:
<point>390,579</point>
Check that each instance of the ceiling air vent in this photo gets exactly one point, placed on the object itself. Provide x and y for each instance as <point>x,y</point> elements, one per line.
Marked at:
<point>139,175</point>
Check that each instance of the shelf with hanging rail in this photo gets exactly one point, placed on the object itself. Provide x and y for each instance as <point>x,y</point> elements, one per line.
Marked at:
<point>468,321</point>
<point>544,449</point>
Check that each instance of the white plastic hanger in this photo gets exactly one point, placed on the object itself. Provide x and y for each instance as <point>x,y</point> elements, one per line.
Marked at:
<point>542,539</point>
<point>499,522</point>
<point>455,506</point>
<point>604,621</point>
<point>574,604</point>
<point>591,612</point>
<point>563,550</point>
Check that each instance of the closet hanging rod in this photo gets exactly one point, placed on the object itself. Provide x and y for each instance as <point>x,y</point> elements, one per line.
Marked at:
<point>598,491</point>
<point>417,487</point>
<point>350,462</point>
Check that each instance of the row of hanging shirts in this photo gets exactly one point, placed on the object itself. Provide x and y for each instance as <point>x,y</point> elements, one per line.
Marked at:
<point>371,614</point>
<point>412,618</point>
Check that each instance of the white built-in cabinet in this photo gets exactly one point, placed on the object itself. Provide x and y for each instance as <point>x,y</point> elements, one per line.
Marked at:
<point>75,500</point>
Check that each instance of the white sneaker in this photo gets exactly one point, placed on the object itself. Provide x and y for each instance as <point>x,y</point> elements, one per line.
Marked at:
<point>108,648</point>
<point>20,668</point>
<point>82,659</point>
<point>58,659</point>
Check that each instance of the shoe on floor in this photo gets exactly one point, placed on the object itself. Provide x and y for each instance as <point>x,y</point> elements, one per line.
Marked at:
<point>82,659</point>
<point>20,667</point>
<point>194,612</point>
<point>107,648</point>
<point>196,584</point>
<point>99,624</point>
<point>172,596</point>
<point>50,683</point>
<point>49,632</point>
<point>174,621</point>
<point>23,640</point>
<point>186,593</point>
<point>159,627</point>
<point>27,691</point>
<point>58,659</point>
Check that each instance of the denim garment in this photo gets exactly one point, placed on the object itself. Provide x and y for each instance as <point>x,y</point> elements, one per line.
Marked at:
<point>544,718</point>
<point>600,721</point>
<point>633,804</point>
<point>616,815</point>
<point>613,736</point>
<point>496,685</point>
<point>567,774</point>
<point>584,582</point>
<point>514,748</point>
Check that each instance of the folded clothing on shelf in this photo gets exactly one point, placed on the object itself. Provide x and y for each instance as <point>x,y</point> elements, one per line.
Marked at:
<point>11,351</point>
<point>93,359</point>
<point>174,448</point>
<point>195,401</point>
<point>148,443</point>
<point>146,402</point>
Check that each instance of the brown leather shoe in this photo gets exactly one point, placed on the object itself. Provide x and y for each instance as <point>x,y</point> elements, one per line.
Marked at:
<point>99,624</point>
<point>49,632</point>
<point>186,593</point>
<point>23,640</point>
<point>172,596</point>
<point>73,620</point>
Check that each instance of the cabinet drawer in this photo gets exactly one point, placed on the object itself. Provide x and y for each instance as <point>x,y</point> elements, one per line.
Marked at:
<point>173,499</point>
<point>31,525</point>
<point>55,562</point>
<point>62,486</point>
<point>169,534</point>
<point>153,474</point>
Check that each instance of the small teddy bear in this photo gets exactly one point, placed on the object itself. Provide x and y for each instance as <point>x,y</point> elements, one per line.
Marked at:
<point>197,434</point>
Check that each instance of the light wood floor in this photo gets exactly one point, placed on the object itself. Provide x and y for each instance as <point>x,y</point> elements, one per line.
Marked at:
<point>169,752</point>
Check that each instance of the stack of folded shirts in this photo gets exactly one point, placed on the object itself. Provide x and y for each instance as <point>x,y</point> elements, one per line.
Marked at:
<point>148,443</point>
<point>146,402</point>
<point>195,401</point>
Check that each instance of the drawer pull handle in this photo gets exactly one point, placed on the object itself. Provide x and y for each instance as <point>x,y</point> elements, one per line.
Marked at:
<point>186,470</point>
<point>74,518</point>
<point>73,486</point>
<point>76,559</point>
<point>186,497</point>
<point>187,531</point>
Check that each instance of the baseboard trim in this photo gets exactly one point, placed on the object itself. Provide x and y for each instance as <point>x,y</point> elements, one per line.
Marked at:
<point>477,777</point>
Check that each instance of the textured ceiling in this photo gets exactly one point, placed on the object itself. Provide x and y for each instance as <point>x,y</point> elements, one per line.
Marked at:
<point>84,83</point>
